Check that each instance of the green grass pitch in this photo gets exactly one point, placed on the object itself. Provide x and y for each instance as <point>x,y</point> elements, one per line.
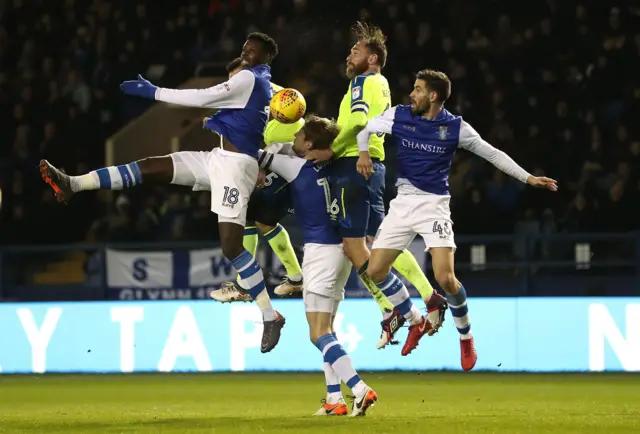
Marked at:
<point>276,403</point>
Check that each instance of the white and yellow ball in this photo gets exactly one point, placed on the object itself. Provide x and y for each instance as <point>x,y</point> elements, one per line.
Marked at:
<point>288,106</point>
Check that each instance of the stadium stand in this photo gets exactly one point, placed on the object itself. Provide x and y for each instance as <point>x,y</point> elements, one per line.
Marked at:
<point>551,83</point>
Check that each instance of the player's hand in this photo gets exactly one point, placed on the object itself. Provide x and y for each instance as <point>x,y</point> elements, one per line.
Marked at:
<point>261,177</point>
<point>543,182</point>
<point>319,155</point>
<point>365,165</point>
<point>139,87</point>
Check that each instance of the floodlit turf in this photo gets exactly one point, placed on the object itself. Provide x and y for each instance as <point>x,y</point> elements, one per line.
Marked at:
<point>257,403</point>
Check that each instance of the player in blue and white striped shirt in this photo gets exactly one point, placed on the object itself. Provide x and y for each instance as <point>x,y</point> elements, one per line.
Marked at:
<point>229,171</point>
<point>427,137</point>
<point>325,267</point>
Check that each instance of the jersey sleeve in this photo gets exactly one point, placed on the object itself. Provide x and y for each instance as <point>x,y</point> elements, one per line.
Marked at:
<point>362,97</point>
<point>281,148</point>
<point>286,166</point>
<point>471,141</point>
<point>379,124</point>
<point>232,94</point>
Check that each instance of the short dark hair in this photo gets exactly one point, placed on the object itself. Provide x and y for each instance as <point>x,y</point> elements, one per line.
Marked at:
<point>320,131</point>
<point>437,82</point>
<point>373,38</point>
<point>234,64</point>
<point>268,44</point>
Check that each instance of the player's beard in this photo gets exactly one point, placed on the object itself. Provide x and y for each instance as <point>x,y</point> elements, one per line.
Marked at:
<point>420,109</point>
<point>354,70</point>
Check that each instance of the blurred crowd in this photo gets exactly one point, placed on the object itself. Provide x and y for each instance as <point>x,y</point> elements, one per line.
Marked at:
<point>554,84</point>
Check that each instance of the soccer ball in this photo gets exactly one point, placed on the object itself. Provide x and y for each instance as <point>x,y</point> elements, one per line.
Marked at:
<point>288,106</point>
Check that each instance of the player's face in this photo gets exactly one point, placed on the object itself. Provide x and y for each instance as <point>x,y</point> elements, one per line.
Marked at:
<point>251,54</point>
<point>358,60</point>
<point>421,98</point>
<point>300,143</point>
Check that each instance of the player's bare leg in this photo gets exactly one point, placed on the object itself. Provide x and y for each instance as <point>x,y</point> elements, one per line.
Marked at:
<point>280,242</point>
<point>323,337</point>
<point>231,235</point>
<point>443,266</point>
<point>380,272</point>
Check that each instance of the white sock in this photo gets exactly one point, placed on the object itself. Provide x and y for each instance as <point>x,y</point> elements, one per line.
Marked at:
<point>466,336</point>
<point>359,388</point>
<point>295,277</point>
<point>89,181</point>
<point>253,281</point>
<point>414,316</point>
<point>264,303</point>
<point>333,384</point>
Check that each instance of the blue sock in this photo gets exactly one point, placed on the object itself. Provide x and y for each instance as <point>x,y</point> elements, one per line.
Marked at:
<point>398,295</point>
<point>334,355</point>
<point>119,177</point>
<point>253,281</point>
<point>334,394</point>
<point>460,311</point>
<point>108,178</point>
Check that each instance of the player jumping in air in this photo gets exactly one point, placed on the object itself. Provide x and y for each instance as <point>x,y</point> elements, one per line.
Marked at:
<point>230,171</point>
<point>361,200</point>
<point>325,267</point>
<point>427,137</point>
<point>267,206</point>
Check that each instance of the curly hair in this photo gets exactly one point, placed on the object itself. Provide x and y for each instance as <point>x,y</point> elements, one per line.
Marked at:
<point>268,44</point>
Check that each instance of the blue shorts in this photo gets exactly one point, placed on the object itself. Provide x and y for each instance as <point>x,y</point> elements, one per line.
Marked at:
<point>270,204</point>
<point>361,201</point>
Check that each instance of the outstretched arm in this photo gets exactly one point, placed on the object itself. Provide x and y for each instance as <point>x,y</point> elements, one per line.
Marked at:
<point>234,93</point>
<point>471,141</point>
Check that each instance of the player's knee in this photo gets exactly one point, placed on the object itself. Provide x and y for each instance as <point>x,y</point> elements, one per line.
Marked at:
<point>356,250</point>
<point>264,228</point>
<point>377,271</point>
<point>447,281</point>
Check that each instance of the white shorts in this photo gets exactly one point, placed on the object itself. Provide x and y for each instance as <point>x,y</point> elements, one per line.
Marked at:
<point>325,269</point>
<point>230,176</point>
<point>427,215</point>
<point>320,303</point>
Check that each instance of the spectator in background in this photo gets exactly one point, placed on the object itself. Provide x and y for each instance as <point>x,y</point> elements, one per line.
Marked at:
<point>552,83</point>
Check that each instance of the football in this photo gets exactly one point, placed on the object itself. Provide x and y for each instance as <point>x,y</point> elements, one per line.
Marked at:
<point>288,106</point>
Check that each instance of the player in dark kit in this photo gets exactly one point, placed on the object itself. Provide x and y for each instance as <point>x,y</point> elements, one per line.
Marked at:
<point>360,200</point>
<point>427,137</point>
<point>230,172</point>
<point>325,267</point>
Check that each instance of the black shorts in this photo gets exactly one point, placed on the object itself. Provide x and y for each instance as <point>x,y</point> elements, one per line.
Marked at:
<point>270,204</point>
<point>361,201</point>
